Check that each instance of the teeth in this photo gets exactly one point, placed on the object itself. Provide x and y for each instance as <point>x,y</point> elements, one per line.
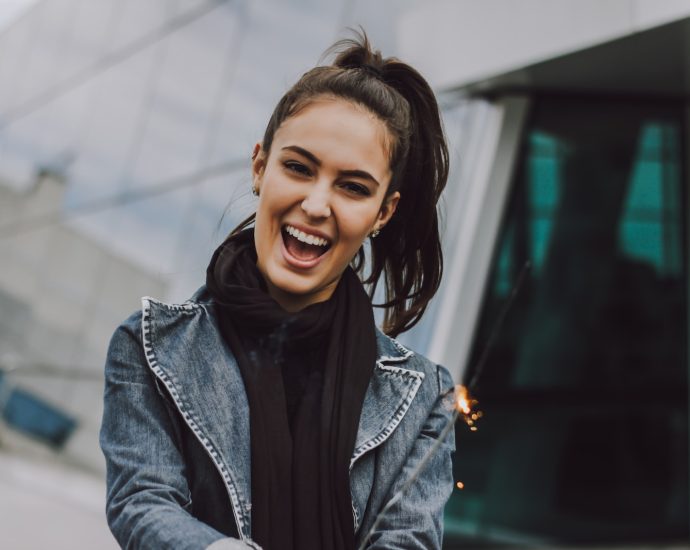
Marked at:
<point>304,237</point>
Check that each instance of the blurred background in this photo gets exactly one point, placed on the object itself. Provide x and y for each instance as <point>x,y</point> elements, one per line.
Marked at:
<point>126,128</point>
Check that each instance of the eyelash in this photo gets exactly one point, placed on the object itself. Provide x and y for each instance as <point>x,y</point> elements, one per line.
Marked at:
<point>356,188</point>
<point>297,168</point>
<point>302,170</point>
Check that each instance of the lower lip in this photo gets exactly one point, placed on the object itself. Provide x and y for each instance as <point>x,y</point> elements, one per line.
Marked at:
<point>296,263</point>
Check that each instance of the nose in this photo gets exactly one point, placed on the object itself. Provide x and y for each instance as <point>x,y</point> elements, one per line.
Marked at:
<point>317,202</point>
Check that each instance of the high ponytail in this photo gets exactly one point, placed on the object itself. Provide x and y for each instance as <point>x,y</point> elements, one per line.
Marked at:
<point>408,250</point>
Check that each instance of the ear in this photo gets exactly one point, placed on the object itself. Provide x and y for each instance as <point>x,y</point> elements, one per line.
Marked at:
<point>258,164</point>
<point>388,207</point>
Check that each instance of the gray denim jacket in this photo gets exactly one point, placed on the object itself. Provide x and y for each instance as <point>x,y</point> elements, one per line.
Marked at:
<point>175,435</point>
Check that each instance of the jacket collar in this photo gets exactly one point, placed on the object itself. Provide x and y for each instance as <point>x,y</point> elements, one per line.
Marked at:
<point>186,352</point>
<point>391,390</point>
<point>388,350</point>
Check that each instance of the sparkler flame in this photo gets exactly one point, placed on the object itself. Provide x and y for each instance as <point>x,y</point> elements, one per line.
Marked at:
<point>458,400</point>
<point>465,405</point>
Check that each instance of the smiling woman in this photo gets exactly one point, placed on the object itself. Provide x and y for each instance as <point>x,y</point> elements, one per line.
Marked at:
<point>326,180</point>
<point>268,411</point>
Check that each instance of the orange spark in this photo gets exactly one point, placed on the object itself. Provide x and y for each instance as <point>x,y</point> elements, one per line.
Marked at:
<point>465,404</point>
<point>460,485</point>
<point>462,399</point>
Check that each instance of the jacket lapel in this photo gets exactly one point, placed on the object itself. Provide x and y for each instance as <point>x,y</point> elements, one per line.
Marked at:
<point>186,353</point>
<point>389,396</point>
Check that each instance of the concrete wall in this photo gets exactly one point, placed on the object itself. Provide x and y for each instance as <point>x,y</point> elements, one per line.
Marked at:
<point>62,294</point>
<point>457,42</point>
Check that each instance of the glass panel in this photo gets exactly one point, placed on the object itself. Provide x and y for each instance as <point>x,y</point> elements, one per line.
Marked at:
<point>584,437</point>
<point>17,42</point>
<point>140,20</point>
<point>187,86</point>
<point>259,77</point>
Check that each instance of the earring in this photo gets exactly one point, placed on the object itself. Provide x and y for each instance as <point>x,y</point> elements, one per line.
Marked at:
<point>374,233</point>
<point>255,190</point>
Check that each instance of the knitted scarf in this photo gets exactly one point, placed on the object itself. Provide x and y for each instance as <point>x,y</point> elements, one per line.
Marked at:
<point>300,491</point>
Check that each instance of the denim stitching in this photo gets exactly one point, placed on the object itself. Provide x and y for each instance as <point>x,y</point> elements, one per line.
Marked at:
<point>184,307</point>
<point>355,515</point>
<point>406,353</point>
<point>235,498</point>
<point>402,349</point>
<point>399,413</point>
<point>439,377</point>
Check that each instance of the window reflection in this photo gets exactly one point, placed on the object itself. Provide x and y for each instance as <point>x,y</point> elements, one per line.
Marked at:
<point>585,432</point>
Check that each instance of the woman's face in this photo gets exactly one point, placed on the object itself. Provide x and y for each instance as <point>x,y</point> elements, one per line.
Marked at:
<point>321,192</point>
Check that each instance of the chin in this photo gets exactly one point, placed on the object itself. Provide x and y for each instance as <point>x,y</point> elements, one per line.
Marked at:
<point>292,283</point>
<point>295,292</point>
<point>295,285</point>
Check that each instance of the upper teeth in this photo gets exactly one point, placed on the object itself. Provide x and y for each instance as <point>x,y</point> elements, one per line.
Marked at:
<point>304,237</point>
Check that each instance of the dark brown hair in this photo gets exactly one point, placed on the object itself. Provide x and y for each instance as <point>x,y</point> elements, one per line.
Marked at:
<point>408,248</point>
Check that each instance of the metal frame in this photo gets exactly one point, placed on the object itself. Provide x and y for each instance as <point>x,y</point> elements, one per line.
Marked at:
<point>476,227</point>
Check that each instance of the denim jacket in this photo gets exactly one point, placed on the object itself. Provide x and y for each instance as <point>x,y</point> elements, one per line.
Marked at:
<point>175,435</point>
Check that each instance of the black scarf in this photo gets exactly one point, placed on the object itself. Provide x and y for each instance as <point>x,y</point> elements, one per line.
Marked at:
<point>300,480</point>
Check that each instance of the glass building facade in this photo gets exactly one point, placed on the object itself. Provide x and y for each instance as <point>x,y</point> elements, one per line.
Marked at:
<point>126,130</point>
<point>584,437</point>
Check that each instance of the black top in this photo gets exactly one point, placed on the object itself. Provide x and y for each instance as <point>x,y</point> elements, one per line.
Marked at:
<point>302,373</point>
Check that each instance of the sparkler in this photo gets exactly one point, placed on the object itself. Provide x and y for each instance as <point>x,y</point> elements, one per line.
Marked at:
<point>460,401</point>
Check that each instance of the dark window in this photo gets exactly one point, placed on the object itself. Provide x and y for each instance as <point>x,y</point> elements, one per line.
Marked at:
<point>584,437</point>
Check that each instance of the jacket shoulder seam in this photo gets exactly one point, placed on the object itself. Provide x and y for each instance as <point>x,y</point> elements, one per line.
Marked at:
<point>440,370</point>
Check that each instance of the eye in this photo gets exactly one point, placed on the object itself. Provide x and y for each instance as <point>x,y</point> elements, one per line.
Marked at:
<point>297,167</point>
<point>356,188</point>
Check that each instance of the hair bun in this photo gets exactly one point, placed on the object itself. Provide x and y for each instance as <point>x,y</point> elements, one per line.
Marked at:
<point>373,70</point>
<point>356,53</point>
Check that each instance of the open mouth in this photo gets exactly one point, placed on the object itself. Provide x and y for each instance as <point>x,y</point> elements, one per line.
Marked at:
<point>303,246</point>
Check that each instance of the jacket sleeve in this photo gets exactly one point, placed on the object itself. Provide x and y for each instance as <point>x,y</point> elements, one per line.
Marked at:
<point>415,520</point>
<point>147,492</point>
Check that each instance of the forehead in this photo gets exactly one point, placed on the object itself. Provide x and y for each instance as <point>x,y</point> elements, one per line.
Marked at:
<point>337,130</point>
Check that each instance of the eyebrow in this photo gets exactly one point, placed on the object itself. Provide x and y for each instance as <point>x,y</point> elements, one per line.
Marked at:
<point>313,158</point>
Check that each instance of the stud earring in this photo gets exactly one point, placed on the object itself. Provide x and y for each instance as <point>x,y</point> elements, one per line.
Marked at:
<point>255,190</point>
<point>374,233</point>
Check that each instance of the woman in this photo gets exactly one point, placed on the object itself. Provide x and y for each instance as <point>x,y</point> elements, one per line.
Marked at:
<point>268,411</point>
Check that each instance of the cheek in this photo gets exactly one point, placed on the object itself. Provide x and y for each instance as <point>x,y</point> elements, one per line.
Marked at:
<point>271,203</point>
<point>277,197</point>
<point>265,228</point>
<point>355,227</point>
